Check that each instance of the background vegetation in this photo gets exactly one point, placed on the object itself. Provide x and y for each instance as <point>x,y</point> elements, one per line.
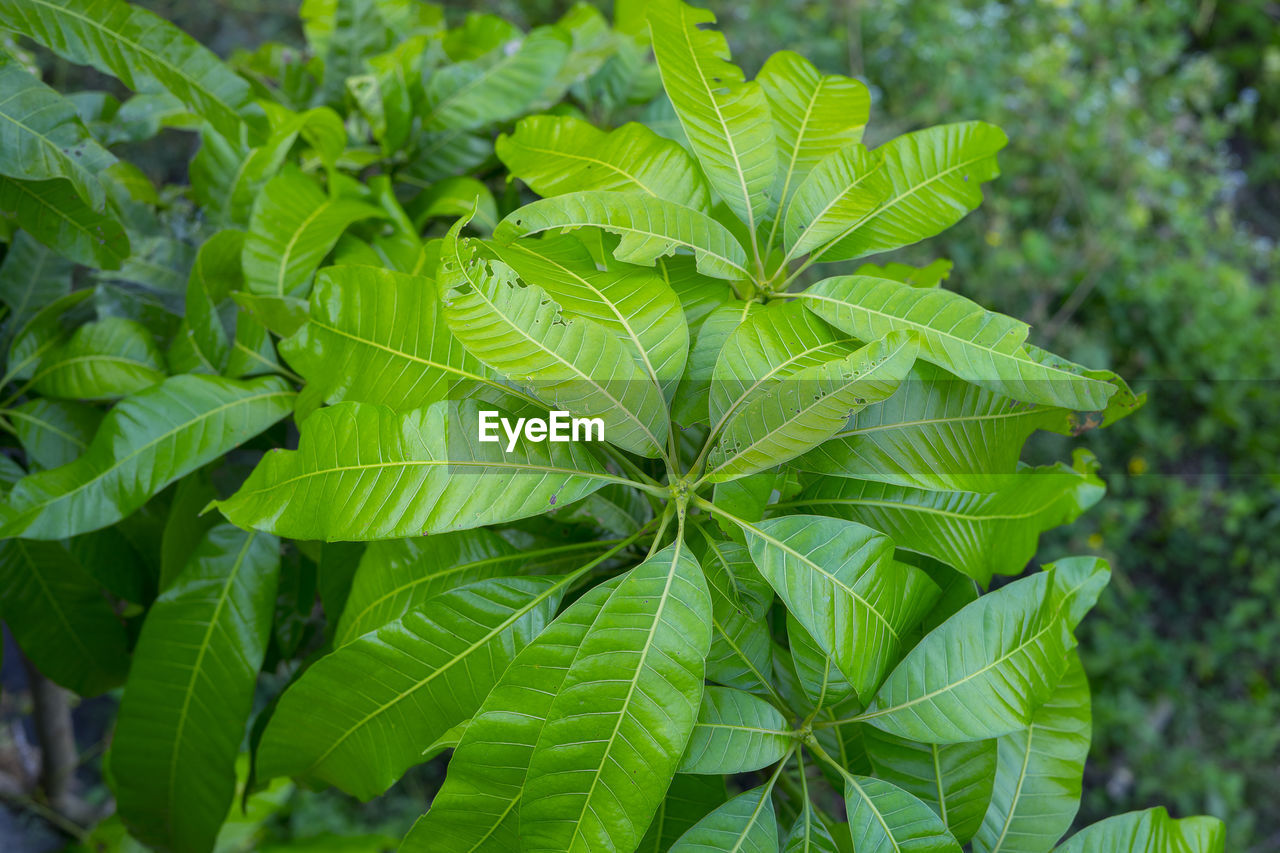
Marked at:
<point>1134,226</point>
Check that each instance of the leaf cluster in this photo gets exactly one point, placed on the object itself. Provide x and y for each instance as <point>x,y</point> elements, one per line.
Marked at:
<point>775,564</point>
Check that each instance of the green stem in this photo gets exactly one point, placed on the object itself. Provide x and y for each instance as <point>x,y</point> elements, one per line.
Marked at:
<point>813,746</point>
<point>777,771</point>
<point>662,528</point>
<point>632,468</point>
<point>703,503</point>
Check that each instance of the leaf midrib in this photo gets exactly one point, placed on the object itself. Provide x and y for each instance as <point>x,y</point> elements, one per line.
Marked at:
<point>47,142</point>
<point>412,463</point>
<point>515,615</point>
<point>223,595</point>
<point>22,187</point>
<point>154,57</point>
<point>634,417</point>
<point>927,329</point>
<point>891,202</point>
<point>975,518</point>
<point>782,546</point>
<point>921,422</point>
<point>471,564</point>
<point>801,415</point>
<point>625,321</point>
<point>1049,624</point>
<point>685,27</point>
<point>36,508</point>
<point>641,664</point>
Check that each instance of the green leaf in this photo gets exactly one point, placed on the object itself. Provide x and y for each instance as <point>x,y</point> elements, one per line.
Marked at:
<point>476,93</point>
<point>745,824</point>
<point>44,331</point>
<point>1039,772</point>
<point>797,413</point>
<point>636,304</point>
<point>740,596</point>
<point>726,119</point>
<point>54,432</point>
<point>930,275</point>
<point>621,719</point>
<point>444,154</point>
<point>215,275</point>
<point>293,226</point>
<point>448,740</point>
<point>146,442</point>
<point>281,315</point>
<point>361,715</point>
<point>363,472</point>
<point>53,213</point>
<point>572,363</point>
<point>378,336</point>
<point>31,277</point>
<point>747,498</point>
<point>41,137</point>
<point>980,346</point>
<point>773,344</point>
<point>936,178</point>
<point>477,807</point>
<point>1148,832</point>
<point>814,116</point>
<point>615,509</point>
<point>103,360</point>
<point>984,671</point>
<point>937,433</point>
<point>455,197</point>
<point>356,31</point>
<point>321,128</point>
<point>60,617</point>
<point>953,779</point>
<point>840,193</point>
<point>400,575</point>
<point>699,294</point>
<point>138,47</point>
<point>688,800</point>
<point>735,733</point>
<point>820,679</point>
<point>650,228</point>
<point>692,400</point>
<point>186,524</point>
<point>842,584</point>
<point>809,834</point>
<point>253,353</point>
<point>190,691</point>
<point>1122,403</point>
<point>561,154</point>
<point>883,818</point>
<point>979,534</point>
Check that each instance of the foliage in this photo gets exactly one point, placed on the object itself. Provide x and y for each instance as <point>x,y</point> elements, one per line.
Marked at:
<point>780,559</point>
<point>1129,235</point>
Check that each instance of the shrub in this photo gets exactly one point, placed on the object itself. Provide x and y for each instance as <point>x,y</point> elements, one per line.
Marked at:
<point>780,559</point>
<point>1125,234</point>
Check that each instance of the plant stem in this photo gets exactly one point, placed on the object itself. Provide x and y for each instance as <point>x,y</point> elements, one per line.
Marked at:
<point>621,458</point>
<point>662,528</point>
<point>52,717</point>
<point>812,744</point>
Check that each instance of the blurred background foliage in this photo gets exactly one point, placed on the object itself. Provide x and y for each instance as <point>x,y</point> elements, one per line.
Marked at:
<point>1136,226</point>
